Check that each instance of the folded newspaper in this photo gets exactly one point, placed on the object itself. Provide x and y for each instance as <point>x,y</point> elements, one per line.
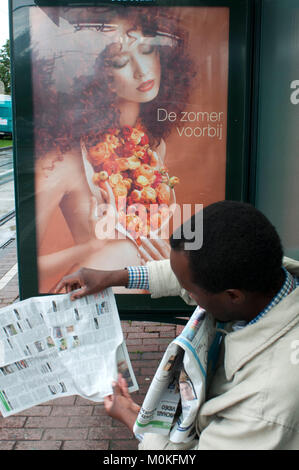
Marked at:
<point>53,347</point>
<point>178,388</point>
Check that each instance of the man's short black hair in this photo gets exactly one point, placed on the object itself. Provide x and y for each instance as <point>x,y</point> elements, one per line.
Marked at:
<point>241,249</point>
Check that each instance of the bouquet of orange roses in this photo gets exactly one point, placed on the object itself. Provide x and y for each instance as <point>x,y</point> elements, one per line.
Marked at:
<point>141,186</point>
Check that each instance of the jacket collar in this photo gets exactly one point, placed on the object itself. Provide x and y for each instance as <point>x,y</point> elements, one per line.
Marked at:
<point>291,265</point>
<point>242,345</point>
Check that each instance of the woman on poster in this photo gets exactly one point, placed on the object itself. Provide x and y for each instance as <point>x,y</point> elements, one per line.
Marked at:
<point>109,127</point>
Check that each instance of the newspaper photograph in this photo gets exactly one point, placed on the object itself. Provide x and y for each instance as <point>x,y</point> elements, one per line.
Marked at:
<point>54,347</point>
<point>178,388</point>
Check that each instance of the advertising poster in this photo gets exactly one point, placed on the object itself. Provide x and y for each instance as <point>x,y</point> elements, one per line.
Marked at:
<point>130,125</point>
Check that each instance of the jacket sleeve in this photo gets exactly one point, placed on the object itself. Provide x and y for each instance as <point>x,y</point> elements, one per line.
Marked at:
<point>163,282</point>
<point>231,433</point>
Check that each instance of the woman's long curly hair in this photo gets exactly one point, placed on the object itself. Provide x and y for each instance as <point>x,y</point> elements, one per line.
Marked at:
<point>90,108</point>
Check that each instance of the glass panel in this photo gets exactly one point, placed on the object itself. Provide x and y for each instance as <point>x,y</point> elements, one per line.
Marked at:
<point>277,188</point>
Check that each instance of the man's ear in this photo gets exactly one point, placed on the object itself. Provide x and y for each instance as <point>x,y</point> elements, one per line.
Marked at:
<point>235,296</point>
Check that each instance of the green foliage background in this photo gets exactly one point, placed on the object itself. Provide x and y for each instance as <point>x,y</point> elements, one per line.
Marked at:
<point>5,67</point>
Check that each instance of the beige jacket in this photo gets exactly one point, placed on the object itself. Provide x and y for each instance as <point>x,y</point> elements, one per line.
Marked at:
<point>253,401</point>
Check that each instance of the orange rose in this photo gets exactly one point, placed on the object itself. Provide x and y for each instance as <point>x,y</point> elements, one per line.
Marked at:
<point>163,193</point>
<point>112,140</point>
<point>100,177</point>
<point>148,195</point>
<point>110,166</point>
<point>135,195</point>
<point>127,182</point>
<point>134,163</point>
<point>135,137</point>
<point>98,153</point>
<point>120,190</point>
<point>123,164</point>
<point>173,181</point>
<point>147,171</point>
<point>115,179</point>
<point>142,181</point>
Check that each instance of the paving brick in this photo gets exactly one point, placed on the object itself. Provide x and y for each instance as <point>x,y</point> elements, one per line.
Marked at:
<point>89,421</point>
<point>102,433</point>
<point>132,329</point>
<point>80,401</point>
<point>62,401</point>
<point>123,445</point>
<point>36,411</point>
<point>143,335</point>
<point>149,363</point>
<point>135,341</point>
<point>12,422</point>
<point>72,411</point>
<point>135,356</point>
<point>86,445</point>
<point>47,422</point>
<point>20,434</point>
<point>99,410</point>
<point>64,434</point>
<point>143,388</point>
<point>154,341</point>
<point>139,398</point>
<point>143,347</point>
<point>145,380</point>
<point>7,445</point>
<point>144,323</point>
<point>148,371</point>
<point>152,355</point>
<point>38,445</point>
<point>166,334</point>
<point>149,329</point>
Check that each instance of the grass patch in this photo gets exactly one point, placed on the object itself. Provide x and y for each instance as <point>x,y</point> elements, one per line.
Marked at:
<point>5,143</point>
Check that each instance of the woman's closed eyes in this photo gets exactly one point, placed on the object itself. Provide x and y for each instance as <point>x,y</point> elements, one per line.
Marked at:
<point>118,62</point>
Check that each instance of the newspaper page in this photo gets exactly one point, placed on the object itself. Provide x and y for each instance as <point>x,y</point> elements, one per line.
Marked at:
<point>54,347</point>
<point>179,385</point>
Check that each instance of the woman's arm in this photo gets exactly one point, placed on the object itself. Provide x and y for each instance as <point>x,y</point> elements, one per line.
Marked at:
<point>61,185</point>
<point>63,260</point>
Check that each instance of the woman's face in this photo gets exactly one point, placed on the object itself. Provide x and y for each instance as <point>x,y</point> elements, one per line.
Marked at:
<point>135,65</point>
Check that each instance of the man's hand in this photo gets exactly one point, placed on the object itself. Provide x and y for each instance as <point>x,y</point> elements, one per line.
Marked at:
<point>88,281</point>
<point>120,405</point>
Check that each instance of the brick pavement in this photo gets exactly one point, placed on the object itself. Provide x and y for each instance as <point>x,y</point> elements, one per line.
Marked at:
<point>74,423</point>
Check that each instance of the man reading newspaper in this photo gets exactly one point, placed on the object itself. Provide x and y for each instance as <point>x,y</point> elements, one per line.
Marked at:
<point>240,279</point>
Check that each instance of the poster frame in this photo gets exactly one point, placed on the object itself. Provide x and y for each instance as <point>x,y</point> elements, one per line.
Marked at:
<point>131,306</point>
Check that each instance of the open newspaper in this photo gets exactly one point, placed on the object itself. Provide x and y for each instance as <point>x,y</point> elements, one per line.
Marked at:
<point>179,386</point>
<point>53,347</point>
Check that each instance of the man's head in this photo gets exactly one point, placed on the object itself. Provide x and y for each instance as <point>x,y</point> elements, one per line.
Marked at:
<point>238,265</point>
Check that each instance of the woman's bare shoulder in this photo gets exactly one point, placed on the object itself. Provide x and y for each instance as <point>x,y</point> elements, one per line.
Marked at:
<point>52,166</point>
